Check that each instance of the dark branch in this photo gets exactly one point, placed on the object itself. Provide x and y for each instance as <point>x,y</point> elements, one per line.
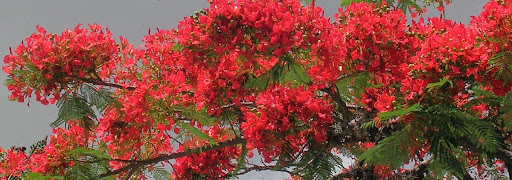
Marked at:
<point>342,105</point>
<point>247,104</point>
<point>258,168</point>
<point>103,83</point>
<point>165,157</point>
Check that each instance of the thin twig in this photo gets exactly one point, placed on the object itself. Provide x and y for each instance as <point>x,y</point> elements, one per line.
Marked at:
<point>258,168</point>
<point>241,103</point>
<point>103,83</point>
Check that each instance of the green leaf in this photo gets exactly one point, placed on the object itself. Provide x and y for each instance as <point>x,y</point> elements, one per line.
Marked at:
<point>201,116</point>
<point>75,108</point>
<point>271,76</point>
<point>100,98</point>
<point>481,133</point>
<point>455,124</point>
<point>448,156</point>
<point>177,47</point>
<point>92,169</point>
<point>349,2</point>
<point>440,83</point>
<point>307,2</point>
<point>393,150</point>
<point>159,173</point>
<point>100,167</point>
<point>369,124</point>
<point>506,104</point>
<point>262,82</point>
<point>449,128</point>
<point>294,74</point>
<point>39,176</point>
<point>286,157</point>
<point>258,83</point>
<point>501,65</point>
<point>352,87</point>
<point>80,171</point>
<point>240,161</point>
<point>399,112</point>
<point>90,152</point>
<point>481,96</point>
<point>316,163</point>
<point>196,132</point>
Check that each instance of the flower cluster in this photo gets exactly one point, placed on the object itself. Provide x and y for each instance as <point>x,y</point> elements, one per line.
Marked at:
<point>233,40</point>
<point>48,64</point>
<point>51,159</point>
<point>213,164</point>
<point>376,42</point>
<point>494,27</point>
<point>405,60</point>
<point>54,158</point>
<point>285,113</point>
<point>12,163</point>
<point>235,64</point>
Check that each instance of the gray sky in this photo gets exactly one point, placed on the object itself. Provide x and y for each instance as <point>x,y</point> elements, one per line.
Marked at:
<point>21,125</point>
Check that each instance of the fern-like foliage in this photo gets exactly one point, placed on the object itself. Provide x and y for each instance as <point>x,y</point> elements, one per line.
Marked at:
<point>286,71</point>
<point>307,2</point>
<point>89,164</point>
<point>446,129</point>
<point>240,161</point>
<point>351,88</point>
<point>263,81</point>
<point>100,98</point>
<point>318,163</point>
<point>294,75</point>
<point>287,158</point>
<point>159,173</point>
<point>39,176</point>
<point>196,132</point>
<point>395,149</point>
<point>75,108</point>
<point>81,170</point>
<point>94,153</point>
<point>449,128</point>
<point>191,113</point>
<point>399,112</point>
<point>79,106</point>
<point>480,96</point>
<point>506,113</point>
<point>501,66</point>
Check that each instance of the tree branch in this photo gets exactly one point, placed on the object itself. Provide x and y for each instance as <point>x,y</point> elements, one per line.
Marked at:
<point>165,157</point>
<point>342,106</point>
<point>247,104</point>
<point>103,83</point>
<point>258,168</point>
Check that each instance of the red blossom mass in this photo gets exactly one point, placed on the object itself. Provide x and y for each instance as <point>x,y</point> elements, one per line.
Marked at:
<point>265,74</point>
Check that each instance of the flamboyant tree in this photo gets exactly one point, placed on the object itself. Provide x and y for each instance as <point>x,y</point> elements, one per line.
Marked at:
<point>275,79</point>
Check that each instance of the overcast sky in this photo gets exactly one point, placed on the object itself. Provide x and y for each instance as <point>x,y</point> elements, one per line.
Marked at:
<point>22,126</point>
